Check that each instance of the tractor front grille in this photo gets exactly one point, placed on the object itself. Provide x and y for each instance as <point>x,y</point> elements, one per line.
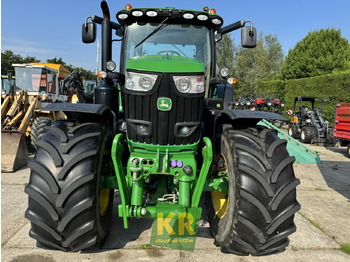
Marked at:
<point>163,127</point>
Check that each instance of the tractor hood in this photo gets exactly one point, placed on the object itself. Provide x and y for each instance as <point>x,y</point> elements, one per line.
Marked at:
<point>165,64</point>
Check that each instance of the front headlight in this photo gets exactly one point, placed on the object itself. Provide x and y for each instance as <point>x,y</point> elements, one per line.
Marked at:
<point>189,84</point>
<point>139,82</point>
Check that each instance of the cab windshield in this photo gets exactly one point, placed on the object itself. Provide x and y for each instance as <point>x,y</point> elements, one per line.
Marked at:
<point>169,39</point>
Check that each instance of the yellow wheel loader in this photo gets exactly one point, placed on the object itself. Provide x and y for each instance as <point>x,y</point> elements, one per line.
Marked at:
<point>36,85</point>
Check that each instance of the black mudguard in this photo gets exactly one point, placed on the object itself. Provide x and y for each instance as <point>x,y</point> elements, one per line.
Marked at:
<point>247,116</point>
<point>85,112</point>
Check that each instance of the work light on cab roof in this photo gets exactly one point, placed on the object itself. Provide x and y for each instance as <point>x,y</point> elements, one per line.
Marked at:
<point>205,17</point>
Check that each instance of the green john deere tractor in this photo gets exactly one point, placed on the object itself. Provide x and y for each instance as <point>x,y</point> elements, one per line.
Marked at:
<point>161,132</point>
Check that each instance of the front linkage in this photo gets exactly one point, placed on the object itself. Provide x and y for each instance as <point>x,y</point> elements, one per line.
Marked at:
<point>173,166</point>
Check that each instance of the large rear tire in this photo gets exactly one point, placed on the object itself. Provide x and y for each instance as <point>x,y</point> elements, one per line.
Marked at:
<point>67,208</point>
<point>258,215</point>
<point>38,129</point>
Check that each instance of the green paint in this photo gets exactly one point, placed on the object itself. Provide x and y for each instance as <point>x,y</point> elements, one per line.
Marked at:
<point>216,184</point>
<point>145,160</point>
<point>136,192</point>
<point>184,193</point>
<point>161,165</point>
<point>207,153</point>
<point>301,152</point>
<point>117,150</point>
<point>165,64</point>
<point>143,147</point>
<point>164,104</point>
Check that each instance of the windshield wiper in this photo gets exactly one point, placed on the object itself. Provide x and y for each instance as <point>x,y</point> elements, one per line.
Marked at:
<point>179,50</point>
<point>161,26</point>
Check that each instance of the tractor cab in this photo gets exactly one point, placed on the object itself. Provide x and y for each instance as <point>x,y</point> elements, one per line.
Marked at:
<point>167,70</point>
<point>167,58</point>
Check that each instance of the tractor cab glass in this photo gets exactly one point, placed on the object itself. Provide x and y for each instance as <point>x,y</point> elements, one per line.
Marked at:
<point>171,41</point>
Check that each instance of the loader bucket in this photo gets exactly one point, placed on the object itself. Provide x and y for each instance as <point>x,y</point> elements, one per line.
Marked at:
<point>14,151</point>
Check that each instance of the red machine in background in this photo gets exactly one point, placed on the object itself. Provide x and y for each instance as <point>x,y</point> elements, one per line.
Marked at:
<point>342,124</point>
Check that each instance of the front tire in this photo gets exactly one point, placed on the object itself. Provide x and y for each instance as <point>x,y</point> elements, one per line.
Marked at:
<point>261,201</point>
<point>292,131</point>
<point>67,208</point>
<point>308,133</point>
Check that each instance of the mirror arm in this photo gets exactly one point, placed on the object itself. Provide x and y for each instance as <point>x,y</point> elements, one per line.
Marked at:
<point>98,20</point>
<point>86,28</point>
<point>251,26</point>
<point>235,26</point>
<point>231,27</point>
<point>251,23</point>
<point>118,76</point>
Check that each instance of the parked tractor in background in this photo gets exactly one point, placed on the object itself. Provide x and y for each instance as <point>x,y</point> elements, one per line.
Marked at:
<point>307,120</point>
<point>259,103</point>
<point>172,141</point>
<point>36,85</point>
<point>278,105</point>
<point>342,124</point>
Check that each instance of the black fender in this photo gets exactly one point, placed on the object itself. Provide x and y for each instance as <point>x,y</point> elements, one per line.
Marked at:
<point>239,118</point>
<point>86,112</point>
<point>246,116</point>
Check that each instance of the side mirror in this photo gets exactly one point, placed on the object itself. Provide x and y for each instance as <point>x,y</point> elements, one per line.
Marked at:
<point>248,36</point>
<point>217,36</point>
<point>88,33</point>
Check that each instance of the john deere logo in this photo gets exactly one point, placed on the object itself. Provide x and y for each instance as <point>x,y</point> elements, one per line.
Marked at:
<point>164,104</point>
